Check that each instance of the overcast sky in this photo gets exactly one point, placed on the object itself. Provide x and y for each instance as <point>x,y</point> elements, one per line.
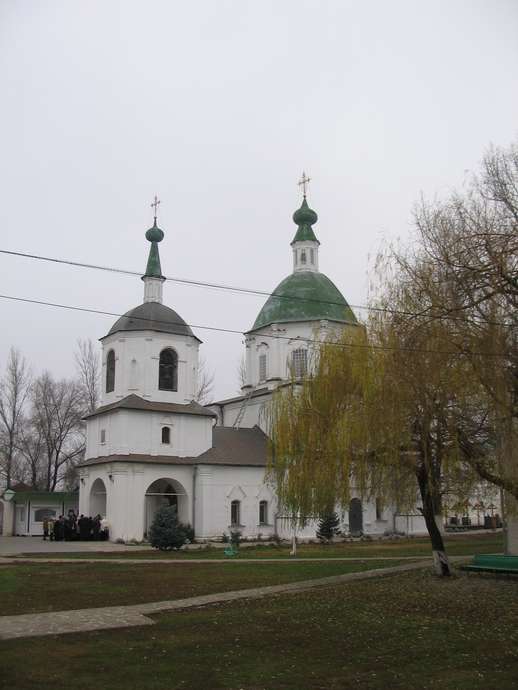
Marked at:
<point>217,106</point>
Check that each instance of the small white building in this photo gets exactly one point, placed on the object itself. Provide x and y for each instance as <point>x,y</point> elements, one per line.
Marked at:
<point>150,444</point>
<point>23,509</point>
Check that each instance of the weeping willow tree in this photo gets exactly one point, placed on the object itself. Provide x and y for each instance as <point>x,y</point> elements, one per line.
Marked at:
<point>380,415</point>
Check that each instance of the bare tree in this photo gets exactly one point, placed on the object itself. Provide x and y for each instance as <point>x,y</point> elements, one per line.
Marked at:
<point>205,383</point>
<point>14,389</point>
<point>57,412</point>
<point>89,370</point>
<point>31,448</point>
<point>467,278</point>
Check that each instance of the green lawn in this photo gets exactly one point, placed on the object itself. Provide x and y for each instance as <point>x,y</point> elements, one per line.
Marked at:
<point>457,545</point>
<point>412,631</point>
<point>52,587</point>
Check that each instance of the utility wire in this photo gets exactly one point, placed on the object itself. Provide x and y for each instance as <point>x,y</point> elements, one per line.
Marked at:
<point>234,331</point>
<point>250,291</point>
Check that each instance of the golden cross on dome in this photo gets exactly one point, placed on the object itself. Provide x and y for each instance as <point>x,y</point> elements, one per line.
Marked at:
<point>304,183</point>
<point>156,203</point>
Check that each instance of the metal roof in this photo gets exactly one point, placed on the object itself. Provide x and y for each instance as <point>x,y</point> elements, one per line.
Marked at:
<point>152,316</point>
<point>135,402</point>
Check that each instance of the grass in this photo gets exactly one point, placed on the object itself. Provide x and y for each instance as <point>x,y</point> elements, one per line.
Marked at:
<point>398,633</point>
<point>52,587</point>
<point>456,545</point>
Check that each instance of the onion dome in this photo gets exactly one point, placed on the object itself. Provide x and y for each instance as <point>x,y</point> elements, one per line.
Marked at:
<point>304,217</point>
<point>153,268</point>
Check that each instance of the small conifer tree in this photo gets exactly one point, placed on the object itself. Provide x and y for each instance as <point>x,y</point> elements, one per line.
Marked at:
<point>328,527</point>
<point>166,532</point>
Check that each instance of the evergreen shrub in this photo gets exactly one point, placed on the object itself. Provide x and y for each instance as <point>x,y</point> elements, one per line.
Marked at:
<point>167,533</point>
<point>328,527</point>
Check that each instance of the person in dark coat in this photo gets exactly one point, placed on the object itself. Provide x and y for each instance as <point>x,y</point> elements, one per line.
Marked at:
<point>84,532</point>
<point>96,527</point>
<point>90,527</point>
<point>59,529</point>
<point>46,523</point>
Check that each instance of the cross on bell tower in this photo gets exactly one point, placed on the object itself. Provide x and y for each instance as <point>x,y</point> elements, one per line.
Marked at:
<point>304,183</point>
<point>156,203</point>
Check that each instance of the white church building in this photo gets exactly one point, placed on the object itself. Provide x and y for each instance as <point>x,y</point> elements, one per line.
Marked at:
<point>150,444</point>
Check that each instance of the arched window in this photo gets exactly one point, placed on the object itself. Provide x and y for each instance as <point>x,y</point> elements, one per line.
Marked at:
<point>110,372</point>
<point>235,513</point>
<point>166,434</point>
<point>312,255</point>
<point>263,512</point>
<point>168,370</point>
<point>263,367</point>
<point>299,362</point>
<point>303,257</point>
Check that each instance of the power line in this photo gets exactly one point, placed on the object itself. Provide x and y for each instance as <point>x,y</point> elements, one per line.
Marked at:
<point>250,291</point>
<point>238,332</point>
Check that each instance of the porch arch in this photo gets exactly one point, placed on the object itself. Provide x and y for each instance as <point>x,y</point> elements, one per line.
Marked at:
<point>165,492</point>
<point>98,498</point>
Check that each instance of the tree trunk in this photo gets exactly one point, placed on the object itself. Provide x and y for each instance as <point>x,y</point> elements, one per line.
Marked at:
<point>293,551</point>
<point>441,563</point>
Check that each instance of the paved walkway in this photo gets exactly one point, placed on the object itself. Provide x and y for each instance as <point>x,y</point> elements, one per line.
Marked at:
<point>12,546</point>
<point>84,620</point>
<point>228,559</point>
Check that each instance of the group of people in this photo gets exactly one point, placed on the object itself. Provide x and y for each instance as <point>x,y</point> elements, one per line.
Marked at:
<point>73,528</point>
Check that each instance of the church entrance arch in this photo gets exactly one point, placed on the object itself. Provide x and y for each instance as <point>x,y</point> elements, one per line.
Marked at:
<point>165,492</point>
<point>98,498</point>
<point>355,517</point>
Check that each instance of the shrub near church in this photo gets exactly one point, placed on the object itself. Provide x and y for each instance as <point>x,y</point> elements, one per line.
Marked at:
<point>167,533</point>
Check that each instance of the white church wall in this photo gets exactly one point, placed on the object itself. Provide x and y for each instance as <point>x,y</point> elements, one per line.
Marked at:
<point>132,431</point>
<point>410,523</point>
<point>136,366</point>
<point>253,413</point>
<point>278,341</point>
<point>126,485</point>
<point>217,487</point>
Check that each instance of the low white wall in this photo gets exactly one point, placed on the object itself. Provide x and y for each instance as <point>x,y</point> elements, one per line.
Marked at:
<point>8,518</point>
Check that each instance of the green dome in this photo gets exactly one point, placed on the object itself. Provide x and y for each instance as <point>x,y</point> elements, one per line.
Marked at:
<point>154,234</point>
<point>153,268</point>
<point>305,217</point>
<point>305,296</point>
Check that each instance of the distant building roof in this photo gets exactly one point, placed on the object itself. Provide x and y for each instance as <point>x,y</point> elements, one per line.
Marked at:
<point>238,398</point>
<point>44,496</point>
<point>237,447</point>
<point>22,486</point>
<point>135,402</point>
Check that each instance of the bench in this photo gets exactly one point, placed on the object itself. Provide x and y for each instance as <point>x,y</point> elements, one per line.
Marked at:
<point>491,563</point>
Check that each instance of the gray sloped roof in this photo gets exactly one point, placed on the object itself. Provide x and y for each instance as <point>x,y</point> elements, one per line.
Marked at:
<point>236,447</point>
<point>152,316</point>
<point>135,402</point>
